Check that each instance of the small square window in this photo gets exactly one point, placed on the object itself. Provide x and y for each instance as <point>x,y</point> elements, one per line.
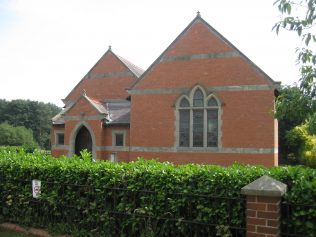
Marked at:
<point>60,139</point>
<point>119,139</point>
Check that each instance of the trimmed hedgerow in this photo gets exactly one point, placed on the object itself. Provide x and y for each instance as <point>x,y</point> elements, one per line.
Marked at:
<point>85,198</point>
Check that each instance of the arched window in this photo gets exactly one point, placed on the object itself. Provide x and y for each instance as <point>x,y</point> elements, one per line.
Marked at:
<point>184,123</point>
<point>184,103</point>
<point>212,122</point>
<point>198,120</point>
<point>198,98</point>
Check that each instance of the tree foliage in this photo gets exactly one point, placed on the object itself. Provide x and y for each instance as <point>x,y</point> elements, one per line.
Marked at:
<point>32,115</point>
<point>300,16</point>
<point>296,107</point>
<point>305,143</point>
<point>293,109</point>
<point>16,136</point>
<point>293,106</point>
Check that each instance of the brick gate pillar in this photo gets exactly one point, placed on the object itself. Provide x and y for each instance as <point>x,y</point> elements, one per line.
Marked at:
<point>263,207</point>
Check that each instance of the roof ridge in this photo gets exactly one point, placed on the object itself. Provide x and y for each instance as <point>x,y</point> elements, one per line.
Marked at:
<point>198,18</point>
<point>133,68</point>
<point>86,75</point>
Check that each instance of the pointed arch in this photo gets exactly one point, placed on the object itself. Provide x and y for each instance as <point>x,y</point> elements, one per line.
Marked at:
<point>184,103</point>
<point>73,136</point>
<point>198,119</point>
<point>213,101</point>
<point>198,98</point>
<point>181,99</point>
<point>197,88</point>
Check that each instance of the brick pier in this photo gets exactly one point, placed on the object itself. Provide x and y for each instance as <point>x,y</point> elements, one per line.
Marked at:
<point>263,207</point>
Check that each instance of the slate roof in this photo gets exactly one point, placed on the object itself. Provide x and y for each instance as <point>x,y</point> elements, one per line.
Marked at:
<point>116,112</point>
<point>119,112</point>
<point>135,69</point>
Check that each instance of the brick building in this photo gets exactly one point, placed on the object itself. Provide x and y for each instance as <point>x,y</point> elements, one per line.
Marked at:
<point>201,101</point>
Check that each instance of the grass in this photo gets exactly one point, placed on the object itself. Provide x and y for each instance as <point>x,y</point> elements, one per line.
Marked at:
<point>9,233</point>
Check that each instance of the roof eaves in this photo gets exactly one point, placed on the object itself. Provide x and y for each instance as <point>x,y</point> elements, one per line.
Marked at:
<point>98,106</point>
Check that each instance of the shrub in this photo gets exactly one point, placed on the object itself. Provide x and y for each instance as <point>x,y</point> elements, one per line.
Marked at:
<point>85,198</point>
<point>306,143</point>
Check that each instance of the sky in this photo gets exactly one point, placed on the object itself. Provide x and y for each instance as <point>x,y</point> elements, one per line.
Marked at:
<point>47,46</point>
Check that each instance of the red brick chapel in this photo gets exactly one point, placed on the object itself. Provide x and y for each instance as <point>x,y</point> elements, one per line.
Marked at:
<point>200,101</point>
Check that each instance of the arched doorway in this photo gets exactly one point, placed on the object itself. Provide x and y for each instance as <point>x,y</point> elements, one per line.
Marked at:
<point>83,141</point>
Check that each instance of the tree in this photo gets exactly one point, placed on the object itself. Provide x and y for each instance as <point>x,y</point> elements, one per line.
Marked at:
<point>16,136</point>
<point>302,21</point>
<point>296,107</point>
<point>293,108</point>
<point>32,115</point>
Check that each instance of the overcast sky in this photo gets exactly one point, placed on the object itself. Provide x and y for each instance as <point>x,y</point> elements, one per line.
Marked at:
<point>47,46</point>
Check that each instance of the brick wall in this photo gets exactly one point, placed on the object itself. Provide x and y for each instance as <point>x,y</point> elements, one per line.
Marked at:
<point>247,119</point>
<point>113,87</point>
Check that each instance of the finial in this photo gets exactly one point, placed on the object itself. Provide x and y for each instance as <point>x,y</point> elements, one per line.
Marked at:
<point>110,47</point>
<point>198,14</point>
<point>84,92</point>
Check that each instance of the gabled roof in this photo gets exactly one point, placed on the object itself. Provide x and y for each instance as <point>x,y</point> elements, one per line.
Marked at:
<point>115,112</point>
<point>135,70</point>
<point>58,119</point>
<point>132,68</point>
<point>198,18</point>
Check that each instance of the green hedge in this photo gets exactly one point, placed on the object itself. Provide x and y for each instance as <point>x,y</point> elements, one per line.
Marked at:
<point>78,196</point>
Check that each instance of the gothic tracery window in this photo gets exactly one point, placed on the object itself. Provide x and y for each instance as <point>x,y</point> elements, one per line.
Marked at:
<point>198,120</point>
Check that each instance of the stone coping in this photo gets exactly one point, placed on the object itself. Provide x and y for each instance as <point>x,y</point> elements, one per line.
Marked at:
<point>265,186</point>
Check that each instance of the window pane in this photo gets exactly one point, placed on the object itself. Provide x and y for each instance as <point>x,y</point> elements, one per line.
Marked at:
<point>212,102</point>
<point>184,128</point>
<point>198,98</point>
<point>119,139</point>
<point>60,139</point>
<point>184,103</point>
<point>212,128</point>
<point>198,117</point>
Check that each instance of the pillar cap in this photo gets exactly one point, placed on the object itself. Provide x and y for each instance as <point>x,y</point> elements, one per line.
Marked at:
<point>265,186</point>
